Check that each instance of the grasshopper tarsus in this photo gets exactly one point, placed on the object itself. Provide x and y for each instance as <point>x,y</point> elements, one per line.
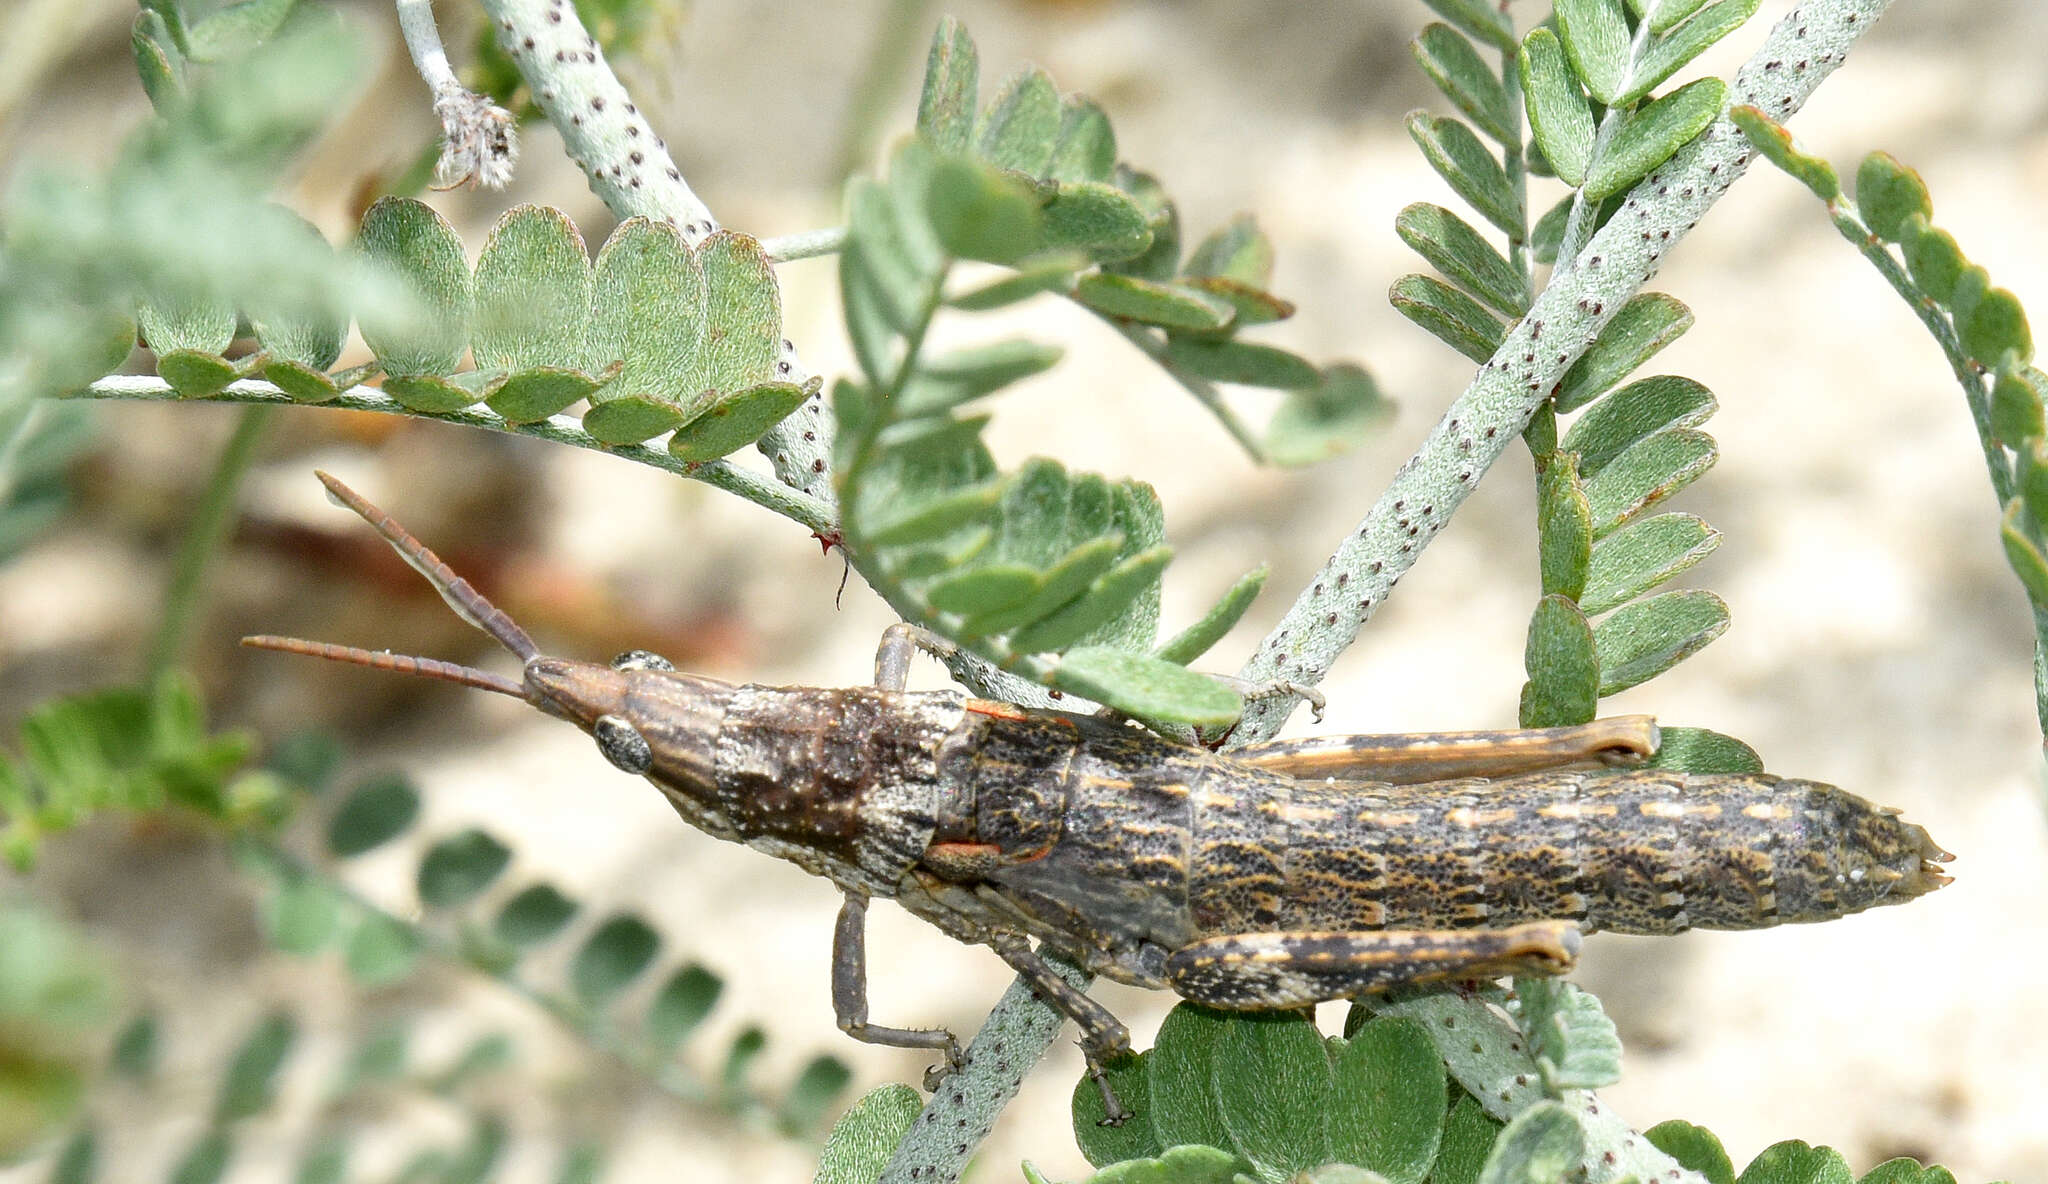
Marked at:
<point>1286,874</point>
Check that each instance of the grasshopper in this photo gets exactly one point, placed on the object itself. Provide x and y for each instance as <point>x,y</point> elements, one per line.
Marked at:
<point>1276,876</point>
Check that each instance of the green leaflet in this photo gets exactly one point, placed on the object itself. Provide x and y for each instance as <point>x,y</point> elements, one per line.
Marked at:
<point>1776,143</point>
<point>1572,1039</point>
<point>537,913</point>
<point>456,869</point>
<point>1596,39</point>
<point>1645,474</point>
<point>1634,412</point>
<point>413,243</point>
<point>1668,53</point>
<point>1387,1104</point>
<point>377,811</point>
<point>1457,69</point>
<point>1648,322</point>
<point>1454,248</point>
<point>533,292</point>
<point>1652,134</point>
<point>1540,1146</point>
<point>1642,640</point>
<point>1558,115</point>
<point>685,999</point>
<point>1563,666</point>
<point>1642,555</point>
<point>1471,171</point>
<point>612,957</point>
<point>1452,317</point>
<point>946,106</point>
<point>1694,1147</point>
<point>1698,750</point>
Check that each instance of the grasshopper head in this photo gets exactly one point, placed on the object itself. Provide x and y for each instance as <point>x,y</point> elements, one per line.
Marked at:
<point>639,709</point>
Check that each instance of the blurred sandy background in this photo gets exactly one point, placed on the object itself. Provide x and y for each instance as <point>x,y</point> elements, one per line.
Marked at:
<point>1879,641</point>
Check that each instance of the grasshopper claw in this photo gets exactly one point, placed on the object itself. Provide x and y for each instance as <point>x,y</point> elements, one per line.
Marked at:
<point>956,1060</point>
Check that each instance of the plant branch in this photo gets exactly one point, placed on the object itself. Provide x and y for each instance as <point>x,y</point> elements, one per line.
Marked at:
<point>628,166</point>
<point>1488,1056</point>
<point>1564,320</point>
<point>479,139</point>
<point>203,535</point>
<point>804,244</point>
<point>964,1108</point>
<point>1202,389</point>
<point>798,507</point>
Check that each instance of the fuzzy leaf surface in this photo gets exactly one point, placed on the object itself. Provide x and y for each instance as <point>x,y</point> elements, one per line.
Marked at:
<point>1453,247</point>
<point>1642,640</point>
<point>1642,555</point>
<point>1464,163</point>
<point>1647,323</point>
<point>1559,118</point>
<point>1653,134</point>
<point>1457,69</point>
<point>1645,474</point>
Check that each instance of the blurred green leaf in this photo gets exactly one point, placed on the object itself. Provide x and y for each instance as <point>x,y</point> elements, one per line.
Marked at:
<point>1695,1148</point>
<point>1572,1039</point>
<point>1540,1146</point>
<point>1169,306</point>
<point>1197,639</point>
<point>1241,362</point>
<point>980,213</point>
<point>378,810</point>
<point>1019,128</point>
<point>1889,194</point>
<point>251,1082</point>
<point>457,868</point>
<point>946,104</point>
<point>811,1096</point>
<point>1482,20</point>
<point>207,1162</point>
<point>1327,419</point>
<point>612,957</point>
<point>536,914</point>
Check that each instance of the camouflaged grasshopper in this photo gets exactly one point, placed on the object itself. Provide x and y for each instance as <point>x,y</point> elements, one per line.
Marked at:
<point>1276,876</point>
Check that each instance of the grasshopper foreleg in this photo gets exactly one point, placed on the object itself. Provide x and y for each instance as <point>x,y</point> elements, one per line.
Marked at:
<point>1277,971</point>
<point>850,992</point>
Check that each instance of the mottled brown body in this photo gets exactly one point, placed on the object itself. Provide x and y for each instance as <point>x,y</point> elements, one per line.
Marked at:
<point>1274,877</point>
<point>1120,848</point>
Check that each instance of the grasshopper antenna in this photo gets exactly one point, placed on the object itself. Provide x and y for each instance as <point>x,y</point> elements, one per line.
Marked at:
<point>466,601</point>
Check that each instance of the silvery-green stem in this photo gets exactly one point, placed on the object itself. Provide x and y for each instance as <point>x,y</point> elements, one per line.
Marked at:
<point>1801,51</point>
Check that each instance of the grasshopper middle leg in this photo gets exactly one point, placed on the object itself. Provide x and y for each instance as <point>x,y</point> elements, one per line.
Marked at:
<point>850,992</point>
<point>1277,971</point>
<point>1103,1036</point>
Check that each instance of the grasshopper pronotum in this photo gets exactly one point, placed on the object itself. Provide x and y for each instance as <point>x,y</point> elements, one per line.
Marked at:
<point>1276,876</point>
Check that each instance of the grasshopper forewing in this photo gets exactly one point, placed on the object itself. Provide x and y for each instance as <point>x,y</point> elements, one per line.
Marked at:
<point>1275,877</point>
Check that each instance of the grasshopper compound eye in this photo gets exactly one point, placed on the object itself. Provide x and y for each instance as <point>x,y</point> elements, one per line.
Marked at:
<point>641,660</point>
<point>622,744</point>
